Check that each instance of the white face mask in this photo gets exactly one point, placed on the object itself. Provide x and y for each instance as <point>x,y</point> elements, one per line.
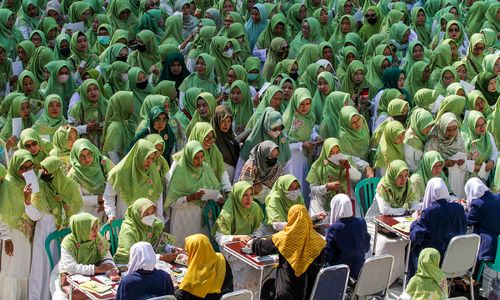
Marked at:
<point>336,158</point>
<point>149,220</point>
<point>63,78</point>
<point>124,77</point>
<point>228,53</point>
<point>293,195</point>
<point>274,134</point>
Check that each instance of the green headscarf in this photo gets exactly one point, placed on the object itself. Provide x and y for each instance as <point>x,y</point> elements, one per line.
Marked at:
<point>367,30</point>
<point>298,127</point>
<point>12,210</point>
<point>348,85</point>
<point>429,282</point>
<point>15,112</point>
<point>374,73</point>
<point>139,94</point>
<point>211,102</point>
<point>474,62</point>
<point>77,243</point>
<point>173,30</point>
<point>266,102</point>
<point>236,219</point>
<point>190,102</point>
<point>424,98</point>
<point>334,102</point>
<point>308,79</point>
<point>133,230</point>
<point>419,120</point>
<point>199,177</point>
<point>151,20</point>
<point>270,119</point>
<point>147,183</point>
<point>315,37</point>
<point>422,31</point>
<point>410,60</point>
<point>396,196</point>
<point>145,60</point>
<point>491,16</point>
<point>355,142</point>
<point>30,134</point>
<point>439,87</point>
<point>60,142</point>
<point>119,127</point>
<point>99,46</point>
<point>277,202</point>
<point>388,150</point>
<point>482,82</point>
<point>293,18</point>
<point>64,90</point>
<point>242,111</point>
<point>424,173</point>
<point>77,56</point>
<point>440,58</point>
<point>114,75</point>
<point>57,48</point>
<point>29,48</point>
<point>273,57</point>
<point>461,38</point>
<point>9,38</point>
<point>36,98</point>
<point>451,103</point>
<point>26,20</point>
<point>213,157</point>
<point>472,99</point>
<point>76,11</point>
<point>47,125</point>
<point>115,7</point>
<point>92,178</point>
<point>149,103</point>
<point>204,81</point>
<point>479,147</point>
<point>59,197</point>
<point>414,82</point>
<point>337,38</point>
<point>319,99</point>
<point>222,63</point>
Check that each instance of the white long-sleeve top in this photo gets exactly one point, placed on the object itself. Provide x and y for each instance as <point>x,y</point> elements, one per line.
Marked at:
<point>4,231</point>
<point>68,264</point>
<point>386,209</point>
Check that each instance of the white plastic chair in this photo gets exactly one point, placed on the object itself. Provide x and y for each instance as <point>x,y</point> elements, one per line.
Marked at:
<point>460,258</point>
<point>167,297</point>
<point>374,277</point>
<point>331,283</point>
<point>238,295</point>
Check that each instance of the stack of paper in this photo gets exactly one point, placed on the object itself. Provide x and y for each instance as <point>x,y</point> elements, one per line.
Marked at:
<point>96,287</point>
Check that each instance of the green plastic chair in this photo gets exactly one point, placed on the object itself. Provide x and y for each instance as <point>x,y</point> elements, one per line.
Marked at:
<point>111,232</point>
<point>495,266</point>
<point>365,192</point>
<point>56,236</point>
<point>211,212</point>
<point>263,208</point>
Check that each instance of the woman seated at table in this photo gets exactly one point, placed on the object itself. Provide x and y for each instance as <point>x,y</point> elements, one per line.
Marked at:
<point>347,239</point>
<point>300,250</point>
<point>394,196</point>
<point>429,282</point>
<point>140,224</point>
<point>262,169</point>
<point>239,218</point>
<point>430,166</point>
<point>143,281</point>
<point>208,275</point>
<point>484,208</point>
<point>84,251</point>
<point>439,221</point>
<point>328,176</point>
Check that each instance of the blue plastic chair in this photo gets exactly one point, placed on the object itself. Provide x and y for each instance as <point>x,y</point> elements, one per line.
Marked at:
<point>111,232</point>
<point>365,192</point>
<point>495,266</point>
<point>56,236</point>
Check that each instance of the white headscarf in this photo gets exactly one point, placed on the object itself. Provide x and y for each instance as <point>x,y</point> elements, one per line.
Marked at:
<point>436,189</point>
<point>340,207</point>
<point>142,257</point>
<point>474,188</point>
<point>324,63</point>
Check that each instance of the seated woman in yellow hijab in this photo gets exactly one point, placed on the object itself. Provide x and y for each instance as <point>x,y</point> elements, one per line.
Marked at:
<point>208,275</point>
<point>300,250</point>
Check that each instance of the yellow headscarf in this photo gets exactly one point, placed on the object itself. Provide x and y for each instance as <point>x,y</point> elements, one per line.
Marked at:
<point>298,242</point>
<point>206,269</point>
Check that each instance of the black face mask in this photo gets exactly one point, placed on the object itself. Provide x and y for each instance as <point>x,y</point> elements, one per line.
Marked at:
<point>271,162</point>
<point>294,76</point>
<point>65,51</point>
<point>46,177</point>
<point>401,119</point>
<point>141,48</point>
<point>122,58</point>
<point>282,54</point>
<point>142,85</point>
<point>372,21</point>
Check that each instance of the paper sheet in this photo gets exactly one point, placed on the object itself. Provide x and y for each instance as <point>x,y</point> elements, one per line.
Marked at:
<point>76,27</point>
<point>467,86</point>
<point>80,278</point>
<point>31,178</point>
<point>17,126</point>
<point>45,137</point>
<point>264,88</point>
<point>17,67</point>
<point>209,194</point>
<point>358,16</point>
<point>437,104</point>
<point>458,156</point>
<point>404,219</point>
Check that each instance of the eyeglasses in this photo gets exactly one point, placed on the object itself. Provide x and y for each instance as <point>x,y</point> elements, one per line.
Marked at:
<point>481,126</point>
<point>28,145</point>
<point>479,48</point>
<point>209,138</point>
<point>454,30</point>
<point>370,15</point>
<point>448,77</point>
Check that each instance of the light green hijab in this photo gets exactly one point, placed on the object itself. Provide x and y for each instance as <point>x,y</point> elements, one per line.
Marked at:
<point>388,150</point>
<point>474,63</point>
<point>277,202</point>
<point>242,111</point>
<point>298,127</point>
<point>308,79</point>
<point>147,183</point>
<point>204,81</point>
<point>15,112</point>
<point>92,178</point>
<point>133,230</point>
<point>185,171</point>
<point>451,103</point>
<point>265,103</point>
<point>77,243</point>
<point>319,99</point>
<point>419,120</point>
<point>374,73</point>
<point>334,102</point>
<point>396,196</point>
<point>119,127</point>
<point>78,56</point>
<point>414,82</point>
<point>429,282</point>
<point>145,60</point>
<point>315,37</point>
<point>355,142</point>
<point>422,31</point>
<point>61,196</point>
<point>47,125</point>
<point>222,63</point>
<point>212,104</point>
<point>478,147</point>
<point>12,210</point>
<point>63,90</point>
<point>424,172</point>
<point>348,85</point>
<point>234,218</point>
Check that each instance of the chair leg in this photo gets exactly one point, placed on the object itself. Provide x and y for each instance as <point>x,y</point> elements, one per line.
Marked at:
<point>471,287</point>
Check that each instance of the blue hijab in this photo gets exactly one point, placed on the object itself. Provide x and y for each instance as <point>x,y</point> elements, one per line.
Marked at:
<point>253,30</point>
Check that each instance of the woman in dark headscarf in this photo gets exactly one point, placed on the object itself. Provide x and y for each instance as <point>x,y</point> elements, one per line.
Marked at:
<point>486,83</point>
<point>174,69</point>
<point>225,138</point>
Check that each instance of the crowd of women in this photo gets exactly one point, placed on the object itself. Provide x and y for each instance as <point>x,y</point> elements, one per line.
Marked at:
<point>147,110</point>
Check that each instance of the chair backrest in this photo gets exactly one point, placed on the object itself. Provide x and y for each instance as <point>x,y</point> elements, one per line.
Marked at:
<point>56,236</point>
<point>111,232</point>
<point>211,212</point>
<point>374,276</point>
<point>365,192</point>
<point>167,297</point>
<point>238,295</point>
<point>331,283</point>
<point>460,256</point>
